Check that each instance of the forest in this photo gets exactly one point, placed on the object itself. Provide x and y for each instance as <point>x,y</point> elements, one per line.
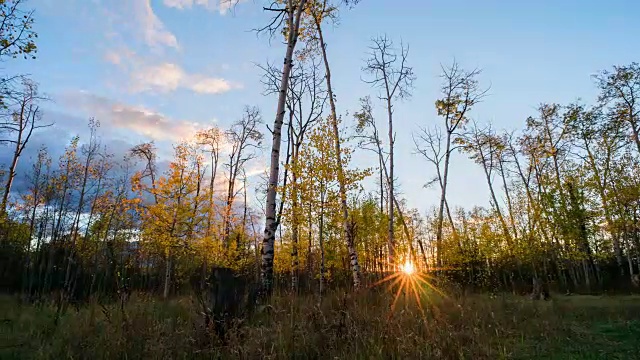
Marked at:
<point>146,257</point>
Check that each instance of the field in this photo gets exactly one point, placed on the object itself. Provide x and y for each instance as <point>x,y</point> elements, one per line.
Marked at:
<point>345,327</point>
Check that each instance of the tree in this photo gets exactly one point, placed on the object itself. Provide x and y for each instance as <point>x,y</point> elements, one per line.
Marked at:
<point>23,119</point>
<point>394,78</point>
<point>319,186</point>
<point>16,30</point>
<point>484,146</point>
<point>147,152</point>
<point>319,11</point>
<point>211,139</point>
<point>168,224</point>
<point>620,89</point>
<point>243,137</point>
<point>291,15</point>
<point>17,38</point>
<point>461,91</point>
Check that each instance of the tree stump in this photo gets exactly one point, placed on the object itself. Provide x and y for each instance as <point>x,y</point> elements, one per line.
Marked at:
<point>540,290</point>
<point>232,296</point>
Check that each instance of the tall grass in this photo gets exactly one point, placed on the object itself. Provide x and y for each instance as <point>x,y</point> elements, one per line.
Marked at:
<point>340,326</point>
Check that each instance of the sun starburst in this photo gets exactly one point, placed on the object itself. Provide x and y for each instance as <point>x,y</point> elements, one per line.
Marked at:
<point>412,282</point>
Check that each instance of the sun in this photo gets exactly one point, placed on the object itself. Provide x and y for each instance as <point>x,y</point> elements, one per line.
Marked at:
<point>410,280</point>
<point>408,268</point>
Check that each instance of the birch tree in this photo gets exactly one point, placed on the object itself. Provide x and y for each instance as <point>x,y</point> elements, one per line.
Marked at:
<point>288,16</point>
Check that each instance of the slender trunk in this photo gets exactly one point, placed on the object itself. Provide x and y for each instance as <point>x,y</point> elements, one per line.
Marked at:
<point>348,230</point>
<point>167,275</point>
<point>75,227</point>
<point>503,222</point>
<point>229,204</point>
<point>214,170</point>
<point>310,237</point>
<point>382,166</point>
<point>617,249</point>
<point>443,195</point>
<point>391,181</point>
<point>507,194</point>
<point>321,239</point>
<point>294,232</point>
<point>271,225</point>
<point>12,173</point>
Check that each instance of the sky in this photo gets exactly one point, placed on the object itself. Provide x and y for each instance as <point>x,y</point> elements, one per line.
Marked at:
<point>160,69</point>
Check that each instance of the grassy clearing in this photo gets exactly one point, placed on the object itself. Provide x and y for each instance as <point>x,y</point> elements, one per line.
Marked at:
<point>353,327</point>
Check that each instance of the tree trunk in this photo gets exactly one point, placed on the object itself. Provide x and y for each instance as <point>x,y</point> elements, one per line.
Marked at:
<point>391,186</point>
<point>294,233</point>
<point>348,230</point>
<point>321,240</point>
<point>270,211</point>
<point>12,173</point>
<point>167,276</point>
<point>443,195</point>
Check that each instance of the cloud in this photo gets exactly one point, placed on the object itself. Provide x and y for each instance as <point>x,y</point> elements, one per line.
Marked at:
<point>129,119</point>
<point>120,57</point>
<point>164,78</point>
<point>152,28</point>
<point>135,19</point>
<point>210,85</point>
<point>222,6</point>
<point>167,77</point>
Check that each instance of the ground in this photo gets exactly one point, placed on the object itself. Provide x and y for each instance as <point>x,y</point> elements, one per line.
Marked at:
<point>341,327</point>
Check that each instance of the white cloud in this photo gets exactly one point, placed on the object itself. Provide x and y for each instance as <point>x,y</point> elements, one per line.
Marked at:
<point>169,77</point>
<point>153,29</point>
<point>164,78</point>
<point>210,86</point>
<point>222,6</point>
<point>135,19</point>
<point>130,119</point>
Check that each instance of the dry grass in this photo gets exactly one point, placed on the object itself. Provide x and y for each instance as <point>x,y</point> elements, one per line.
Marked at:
<point>340,327</point>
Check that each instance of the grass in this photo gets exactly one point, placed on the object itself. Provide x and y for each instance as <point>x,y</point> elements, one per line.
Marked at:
<point>341,327</point>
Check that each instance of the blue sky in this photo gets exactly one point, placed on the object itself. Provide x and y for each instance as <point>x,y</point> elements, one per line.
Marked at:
<point>157,69</point>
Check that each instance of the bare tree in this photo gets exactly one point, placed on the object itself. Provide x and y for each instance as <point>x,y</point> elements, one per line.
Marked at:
<point>429,144</point>
<point>460,91</point>
<point>147,152</point>
<point>243,137</point>
<point>391,74</point>
<point>23,118</point>
<point>211,139</point>
<point>368,134</point>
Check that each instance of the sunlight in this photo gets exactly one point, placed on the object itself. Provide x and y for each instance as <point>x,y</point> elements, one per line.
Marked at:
<point>408,268</point>
<point>414,283</point>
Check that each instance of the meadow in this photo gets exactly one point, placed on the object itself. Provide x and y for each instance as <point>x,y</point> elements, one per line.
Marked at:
<point>340,326</point>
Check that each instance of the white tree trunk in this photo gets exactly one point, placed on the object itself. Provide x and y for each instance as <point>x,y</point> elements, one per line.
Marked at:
<point>271,225</point>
